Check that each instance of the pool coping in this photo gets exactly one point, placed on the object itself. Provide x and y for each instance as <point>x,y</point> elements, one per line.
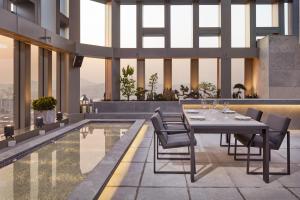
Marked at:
<point>92,186</point>
<point>95,182</point>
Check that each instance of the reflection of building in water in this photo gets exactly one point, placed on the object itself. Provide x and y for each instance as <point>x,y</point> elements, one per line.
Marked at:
<point>112,135</point>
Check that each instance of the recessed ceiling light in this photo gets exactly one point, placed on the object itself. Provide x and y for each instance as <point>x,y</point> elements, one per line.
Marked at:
<point>3,46</point>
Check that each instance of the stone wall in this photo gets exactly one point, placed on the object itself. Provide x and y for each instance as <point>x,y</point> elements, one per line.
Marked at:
<point>277,74</point>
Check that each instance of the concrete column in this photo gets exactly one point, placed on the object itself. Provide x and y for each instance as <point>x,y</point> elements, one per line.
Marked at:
<point>195,24</point>
<point>140,73</point>
<point>112,79</point>
<point>139,25</point>
<point>22,85</point>
<point>64,82</point>
<point>167,25</point>
<point>226,77</point>
<point>194,74</point>
<point>281,21</point>
<point>218,73</point>
<point>48,15</point>
<point>167,73</point>
<point>45,72</point>
<point>59,68</point>
<point>295,18</point>
<point>73,90</point>
<point>226,24</point>
<point>249,76</point>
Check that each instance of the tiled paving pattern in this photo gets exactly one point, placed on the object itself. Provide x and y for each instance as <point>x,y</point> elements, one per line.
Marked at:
<point>219,176</point>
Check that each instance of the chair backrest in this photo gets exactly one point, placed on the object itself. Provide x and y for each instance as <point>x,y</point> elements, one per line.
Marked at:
<point>158,127</point>
<point>158,111</point>
<point>254,114</point>
<point>278,126</point>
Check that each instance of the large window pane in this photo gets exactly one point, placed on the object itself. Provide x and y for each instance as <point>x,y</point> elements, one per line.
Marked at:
<point>208,70</point>
<point>128,26</point>
<point>132,63</point>
<point>34,76</point>
<point>237,72</point>
<point>153,16</point>
<point>92,78</point>
<point>153,66</point>
<point>264,16</point>
<point>64,7</point>
<point>209,16</point>
<point>153,42</point>
<point>54,66</point>
<point>178,77</point>
<point>209,42</point>
<point>238,26</point>
<point>181,26</point>
<point>92,22</point>
<point>6,81</point>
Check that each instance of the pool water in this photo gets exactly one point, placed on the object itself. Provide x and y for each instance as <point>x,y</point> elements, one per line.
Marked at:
<point>53,171</point>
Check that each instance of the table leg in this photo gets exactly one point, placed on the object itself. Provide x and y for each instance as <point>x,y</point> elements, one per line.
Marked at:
<point>193,165</point>
<point>266,155</point>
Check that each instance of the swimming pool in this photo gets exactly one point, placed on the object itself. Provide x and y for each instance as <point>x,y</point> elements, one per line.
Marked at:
<point>55,169</point>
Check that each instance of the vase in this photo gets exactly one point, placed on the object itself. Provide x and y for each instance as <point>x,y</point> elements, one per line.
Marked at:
<point>48,116</point>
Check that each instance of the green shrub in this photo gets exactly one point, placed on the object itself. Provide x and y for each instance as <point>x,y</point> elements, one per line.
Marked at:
<point>44,103</point>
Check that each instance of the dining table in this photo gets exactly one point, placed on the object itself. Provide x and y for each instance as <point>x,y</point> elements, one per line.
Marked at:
<point>216,121</point>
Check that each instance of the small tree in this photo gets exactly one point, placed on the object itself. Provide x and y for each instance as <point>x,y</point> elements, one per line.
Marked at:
<point>153,86</point>
<point>207,90</point>
<point>184,89</point>
<point>239,87</point>
<point>127,82</point>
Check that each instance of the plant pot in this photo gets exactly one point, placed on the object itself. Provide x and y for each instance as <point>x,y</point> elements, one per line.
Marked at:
<point>48,116</point>
<point>12,143</point>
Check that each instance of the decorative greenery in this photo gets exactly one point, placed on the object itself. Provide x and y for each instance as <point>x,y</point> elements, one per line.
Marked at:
<point>140,93</point>
<point>184,89</point>
<point>127,82</point>
<point>167,95</point>
<point>240,87</point>
<point>207,90</point>
<point>44,103</point>
<point>153,86</point>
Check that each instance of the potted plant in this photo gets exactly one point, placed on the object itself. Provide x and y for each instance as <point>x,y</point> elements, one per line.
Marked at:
<point>153,80</point>
<point>45,108</point>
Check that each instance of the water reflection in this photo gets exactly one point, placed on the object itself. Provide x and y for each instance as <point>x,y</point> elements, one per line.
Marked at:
<point>54,170</point>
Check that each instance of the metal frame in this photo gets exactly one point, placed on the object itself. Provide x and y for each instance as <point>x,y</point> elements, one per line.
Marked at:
<point>288,163</point>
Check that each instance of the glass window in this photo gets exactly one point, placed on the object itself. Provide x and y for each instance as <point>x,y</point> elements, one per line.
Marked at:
<point>209,15</point>
<point>128,26</point>
<point>264,15</point>
<point>153,42</point>
<point>92,78</point>
<point>209,42</point>
<point>34,76</point>
<point>92,23</point>
<point>208,70</point>
<point>6,81</point>
<point>153,16</point>
<point>178,77</point>
<point>181,19</point>
<point>238,26</point>
<point>153,66</point>
<point>286,18</point>
<point>54,66</point>
<point>237,72</point>
<point>64,7</point>
<point>132,63</point>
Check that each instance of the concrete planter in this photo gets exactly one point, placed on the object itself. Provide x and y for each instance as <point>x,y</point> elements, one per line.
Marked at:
<point>48,116</point>
<point>136,106</point>
<point>11,143</point>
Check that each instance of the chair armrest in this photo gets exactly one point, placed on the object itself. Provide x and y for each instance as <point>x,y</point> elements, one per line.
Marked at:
<point>174,123</point>
<point>174,131</point>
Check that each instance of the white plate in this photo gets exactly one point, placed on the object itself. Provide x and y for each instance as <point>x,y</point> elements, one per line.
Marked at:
<point>245,118</point>
<point>201,118</point>
<point>228,111</point>
<point>192,111</point>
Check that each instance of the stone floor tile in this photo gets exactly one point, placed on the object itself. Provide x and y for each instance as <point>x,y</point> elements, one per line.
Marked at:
<point>296,191</point>
<point>166,180</point>
<point>163,193</point>
<point>215,194</point>
<point>267,193</point>
<point>136,155</point>
<point>127,174</point>
<point>118,193</point>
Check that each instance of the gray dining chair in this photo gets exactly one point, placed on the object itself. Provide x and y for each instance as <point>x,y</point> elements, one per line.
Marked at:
<point>255,115</point>
<point>278,130</point>
<point>172,121</point>
<point>169,139</point>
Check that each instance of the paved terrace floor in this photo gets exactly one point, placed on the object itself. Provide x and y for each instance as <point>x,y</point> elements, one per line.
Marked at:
<point>219,176</point>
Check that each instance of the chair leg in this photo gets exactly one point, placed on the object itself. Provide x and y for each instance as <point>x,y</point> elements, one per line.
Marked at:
<point>288,152</point>
<point>229,143</point>
<point>221,141</point>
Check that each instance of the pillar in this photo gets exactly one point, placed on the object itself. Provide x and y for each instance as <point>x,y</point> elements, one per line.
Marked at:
<point>140,73</point>
<point>22,85</point>
<point>167,73</point>
<point>112,79</point>
<point>194,74</point>
<point>225,77</point>
<point>45,72</point>
<point>249,76</point>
